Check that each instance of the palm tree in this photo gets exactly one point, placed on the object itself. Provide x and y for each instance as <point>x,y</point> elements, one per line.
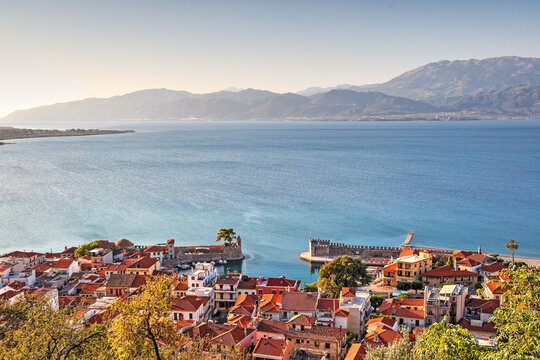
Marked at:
<point>512,245</point>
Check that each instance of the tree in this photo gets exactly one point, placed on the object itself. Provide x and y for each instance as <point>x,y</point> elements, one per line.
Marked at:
<point>143,328</point>
<point>512,245</point>
<point>404,296</point>
<point>228,235</point>
<point>403,286</point>
<point>84,249</point>
<point>417,285</point>
<point>376,301</point>
<point>33,329</point>
<point>313,287</point>
<point>442,341</point>
<point>342,271</point>
<point>450,261</point>
<point>517,320</point>
<point>401,349</point>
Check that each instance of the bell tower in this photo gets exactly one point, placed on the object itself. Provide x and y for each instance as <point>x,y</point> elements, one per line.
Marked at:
<point>170,248</point>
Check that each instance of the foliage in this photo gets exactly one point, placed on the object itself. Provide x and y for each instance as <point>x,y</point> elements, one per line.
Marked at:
<point>313,287</point>
<point>350,336</point>
<point>450,261</point>
<point>228,235</point>
<point>478,285</point>
<point>437,261</point>
<point>517,319</point>
<point>417,285</point>
<point>401,349</point>
<point>84,249</point>
<point>404,286</point>
<point>342,271</point>
<point>479,292</point>
<point>33,329</point>
<point>143,328</point>
<point>512,245</point>
<point>376,301</point>
<point>404,296</point>
<point>442,341</point>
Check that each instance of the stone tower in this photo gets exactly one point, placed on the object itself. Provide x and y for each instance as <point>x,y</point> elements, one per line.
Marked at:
<point>170,248</point>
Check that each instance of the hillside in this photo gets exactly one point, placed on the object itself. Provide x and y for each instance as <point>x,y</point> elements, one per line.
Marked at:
<point>523,100</point>
<point>246,104</point>
<point>465,89</point>
<point>438,82</point>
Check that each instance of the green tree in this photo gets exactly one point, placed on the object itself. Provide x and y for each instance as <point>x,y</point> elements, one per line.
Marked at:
<point>313,287</point>
<point>404,286</point>
<point>517,320</point>
<point>512,245</point>
<point>442,341</point>
<point>143,328</point>
<point>401,349</point>
<point>450,261</point>
<point>417,285</point>
<point>33,329</point>
<point>404,296</point>
<point>376,301</point>
<point>227,235</point>
<point>84,249</point>
<point>342,271</point>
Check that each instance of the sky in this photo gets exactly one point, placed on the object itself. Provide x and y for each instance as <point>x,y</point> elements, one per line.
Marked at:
<point>56,51</point>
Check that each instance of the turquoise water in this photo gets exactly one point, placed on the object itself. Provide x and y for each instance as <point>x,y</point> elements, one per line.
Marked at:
<point>456,184</point>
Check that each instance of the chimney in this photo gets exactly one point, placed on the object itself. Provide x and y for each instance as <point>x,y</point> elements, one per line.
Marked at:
<point>376,337</point>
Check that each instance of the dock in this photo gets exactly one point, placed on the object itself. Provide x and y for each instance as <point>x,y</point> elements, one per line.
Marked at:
<point>407,243</point>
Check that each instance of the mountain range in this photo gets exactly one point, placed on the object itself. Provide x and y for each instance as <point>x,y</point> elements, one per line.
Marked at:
<point>489,88</point>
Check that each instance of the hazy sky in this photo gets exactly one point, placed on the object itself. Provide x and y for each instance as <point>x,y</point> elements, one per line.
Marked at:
<point>55,51</point>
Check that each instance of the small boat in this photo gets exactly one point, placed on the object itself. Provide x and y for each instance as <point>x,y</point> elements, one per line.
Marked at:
<point>213,262</point>
<point>224,261</point>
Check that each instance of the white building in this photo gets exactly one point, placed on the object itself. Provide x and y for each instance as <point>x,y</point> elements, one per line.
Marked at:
<point>203,275</point>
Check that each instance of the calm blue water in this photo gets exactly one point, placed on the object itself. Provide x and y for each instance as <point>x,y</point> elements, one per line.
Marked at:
<point>456,184</point>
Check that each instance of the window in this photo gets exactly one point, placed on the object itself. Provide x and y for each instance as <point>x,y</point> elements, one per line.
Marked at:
<point>298,341</point>
<point>327,345</point>
<point>281,292</point>
<point>190,316</point>
<point>274,292</point>
<point>260,292</point>
<point>316,344</point>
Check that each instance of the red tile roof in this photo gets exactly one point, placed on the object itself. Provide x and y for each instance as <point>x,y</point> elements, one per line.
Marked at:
<point>492,268</point>
<point>188,303</point>
<point>348,291</point>
<point>156,248</point>
<point>446,270</point>
<point>487,327</point>
<point>64,263</point>
<point>143,263</point>
<point>356,352</point>
<point>407,313</point>
<point>382,335</point>
<point>282,282</point>
<point>297,301</point>
<point>381,321</point>
<point>328,304</point>
<point>269,347</point>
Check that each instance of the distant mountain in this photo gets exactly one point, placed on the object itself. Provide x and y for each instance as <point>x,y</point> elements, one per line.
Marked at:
<point>241,105</point>
<point>520,100</point>
<point>446,90</point>
<point>440,82</point>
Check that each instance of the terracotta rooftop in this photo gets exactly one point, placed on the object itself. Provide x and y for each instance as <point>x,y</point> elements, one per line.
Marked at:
<point>446,270</point>
<point>382,335</point>
<point>22,254</point>
<point>269,347</point>
<point>381,321</point>
<point>272,326</point>
<point>493,268</point>
<point>348,291</point>
<point>319,333</point>
<point>487,327</point>
<point>297,301</point>
<point>188,303</point>
<point>282,282</point>
<point>356,352</point>
<point>156,248</point>
<point>64,263</point>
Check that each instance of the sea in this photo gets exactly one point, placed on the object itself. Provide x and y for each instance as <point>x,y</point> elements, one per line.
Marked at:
<point>457,185</point>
